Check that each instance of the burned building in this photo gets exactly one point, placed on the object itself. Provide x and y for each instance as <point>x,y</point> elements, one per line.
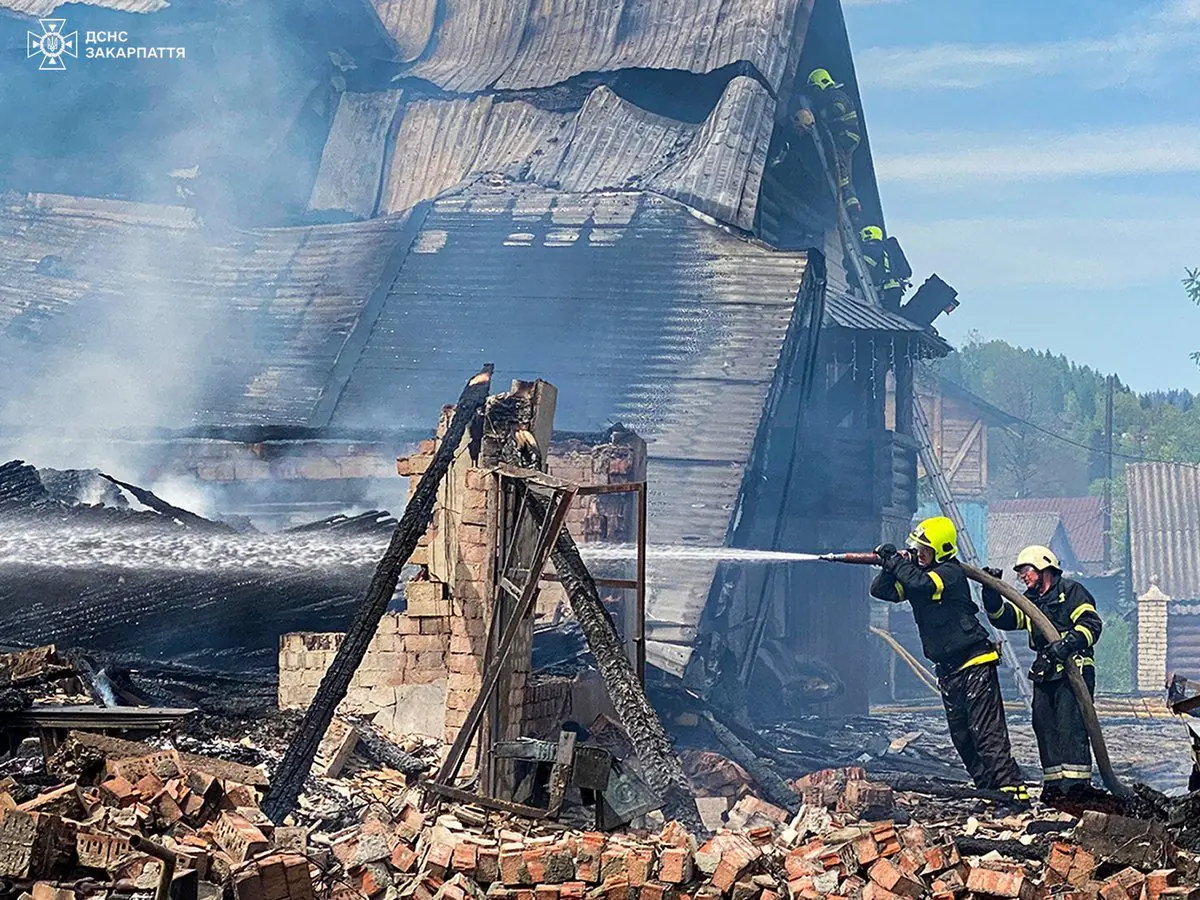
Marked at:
<point>614,198</point>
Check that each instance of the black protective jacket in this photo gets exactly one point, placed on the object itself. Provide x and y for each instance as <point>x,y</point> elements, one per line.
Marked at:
<point>951,633</point>
<point>1067,605</point>
<point>837,111</point>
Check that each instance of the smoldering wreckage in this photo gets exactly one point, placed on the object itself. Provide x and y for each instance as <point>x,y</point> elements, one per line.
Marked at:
<point>658,215</point>
<point>516,797</point>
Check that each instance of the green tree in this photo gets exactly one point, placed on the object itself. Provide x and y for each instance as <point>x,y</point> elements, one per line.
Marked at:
<point>1057,447</point>
<point>1191,284</point>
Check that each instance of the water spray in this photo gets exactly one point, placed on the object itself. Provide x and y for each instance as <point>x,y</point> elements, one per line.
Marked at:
<point>694,554</point>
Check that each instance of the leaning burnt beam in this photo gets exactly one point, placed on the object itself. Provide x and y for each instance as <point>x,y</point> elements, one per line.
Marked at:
<point>661,766</point>
<point>298,760</point>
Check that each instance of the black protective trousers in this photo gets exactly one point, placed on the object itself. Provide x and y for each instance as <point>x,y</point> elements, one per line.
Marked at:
<point>975,713</point>
<point>1062,737</point>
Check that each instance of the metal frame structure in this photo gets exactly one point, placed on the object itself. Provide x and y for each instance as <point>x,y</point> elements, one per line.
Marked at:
<point>635,641</point>
<point>504,633</point>
<point>514,603</point>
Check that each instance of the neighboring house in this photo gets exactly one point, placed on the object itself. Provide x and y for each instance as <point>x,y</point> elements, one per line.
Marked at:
<point>1082,519</point>
<point>1010,532</point>
<point>958,427</point>
<point>1164,569</point>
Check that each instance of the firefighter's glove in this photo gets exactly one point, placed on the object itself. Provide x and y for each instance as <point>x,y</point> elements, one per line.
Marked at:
<point>1043,668</point>
<point>804,119</point>
<point>995,573</point>
<point>1066,646</point>
<point>889,557</point>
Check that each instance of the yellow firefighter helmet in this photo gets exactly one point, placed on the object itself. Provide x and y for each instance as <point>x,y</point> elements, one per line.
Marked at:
<point>871,233</point>
<point>821,79</point>
<point>939,535</point>
<point>1037,556</point>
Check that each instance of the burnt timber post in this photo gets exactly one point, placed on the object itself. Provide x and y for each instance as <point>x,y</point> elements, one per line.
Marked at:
<point>297,761</point>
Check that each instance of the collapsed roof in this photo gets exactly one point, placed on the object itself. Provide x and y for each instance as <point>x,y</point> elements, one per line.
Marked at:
<point>602,245</point>
<point>474,45</point>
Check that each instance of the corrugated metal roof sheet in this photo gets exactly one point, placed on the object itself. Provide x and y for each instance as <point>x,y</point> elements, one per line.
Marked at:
<point>638,309</point>
<point>850,312</point>
<point>610,144</point>
<point>351,168</point>
<point>1164,527</point>
<point>186,329</point>
<point>409,22</point>
<point>516,44</point>
<point>635,308</point>
<point>1009,533</point>
<point>443,143</point>
<point>1082,518</point>
<point>43,8</point>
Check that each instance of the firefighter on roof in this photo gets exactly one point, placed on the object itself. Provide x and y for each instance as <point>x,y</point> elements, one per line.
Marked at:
<point>879,263</point>
<point>933,581</point>
<point>837,111</point>
<point>1057,722</point>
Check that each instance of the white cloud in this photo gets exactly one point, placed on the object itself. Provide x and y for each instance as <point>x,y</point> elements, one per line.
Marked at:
<point>1163,44</point>
<point>951,159</point>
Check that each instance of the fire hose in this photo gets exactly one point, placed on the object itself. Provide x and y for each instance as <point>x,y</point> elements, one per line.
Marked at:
<point>1047,630</point>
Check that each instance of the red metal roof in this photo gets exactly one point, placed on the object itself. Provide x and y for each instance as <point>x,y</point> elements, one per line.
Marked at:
<point>1082,518</point>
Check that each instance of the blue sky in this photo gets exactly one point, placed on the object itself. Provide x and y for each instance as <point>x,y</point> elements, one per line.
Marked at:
<point>1044,158</point>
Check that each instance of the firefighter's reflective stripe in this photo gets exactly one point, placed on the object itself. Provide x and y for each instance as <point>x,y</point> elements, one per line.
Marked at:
<point>1021,619</point>
<point>1017,790</point>
<point>1085,661</point>
<point>1080,610</point>
<point>938,586</point>
<point>899,590</point>
<point>981,659</point>
<point>1087,633</point>
<point>1054,773</point>
<point>1076,772</point>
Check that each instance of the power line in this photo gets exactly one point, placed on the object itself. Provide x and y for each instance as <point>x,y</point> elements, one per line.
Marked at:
<point>1082,446</point>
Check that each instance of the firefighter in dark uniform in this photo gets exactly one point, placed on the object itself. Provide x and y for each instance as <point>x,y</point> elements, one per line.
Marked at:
<point>953,638</point>
<point>879,264</point>
<point>837,111</point>
<point>1057,722</point>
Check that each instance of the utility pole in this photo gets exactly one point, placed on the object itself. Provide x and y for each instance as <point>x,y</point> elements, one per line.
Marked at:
<point>1108,471</point>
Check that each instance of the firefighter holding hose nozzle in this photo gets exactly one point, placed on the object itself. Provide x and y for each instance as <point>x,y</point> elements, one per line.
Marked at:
<point>1058,724</point>
<point>930,577</point>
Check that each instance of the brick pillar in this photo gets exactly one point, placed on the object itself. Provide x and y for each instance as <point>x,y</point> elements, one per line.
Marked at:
<point>452,598</point>
<point>1152,639</point>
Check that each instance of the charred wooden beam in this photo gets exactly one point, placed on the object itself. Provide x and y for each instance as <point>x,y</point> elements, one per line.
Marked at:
<point>774,788</point>
<point>661,766</point>
<point>297,761</point>
<point>377,745</point>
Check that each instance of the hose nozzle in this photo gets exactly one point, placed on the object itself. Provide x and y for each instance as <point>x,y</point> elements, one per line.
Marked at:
<point>856,559</point>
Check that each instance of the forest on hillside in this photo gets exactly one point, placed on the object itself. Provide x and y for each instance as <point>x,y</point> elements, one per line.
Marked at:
<point>1057,450</point>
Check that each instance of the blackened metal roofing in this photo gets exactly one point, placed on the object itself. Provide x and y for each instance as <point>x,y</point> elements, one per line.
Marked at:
<point>1164,527</point>
<point>514,44</point>
<point>610,144</point>
<point>637,309</point>
<point>351,169</point>
<point>135,315</point>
